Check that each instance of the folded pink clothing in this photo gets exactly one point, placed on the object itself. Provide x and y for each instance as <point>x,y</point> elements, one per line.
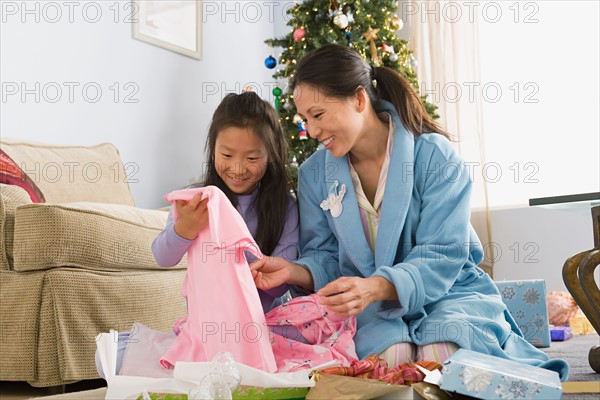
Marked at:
<point>327,336</point>
<point>224,309</point>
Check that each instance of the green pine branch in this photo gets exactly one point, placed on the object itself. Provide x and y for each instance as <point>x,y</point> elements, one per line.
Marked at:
<point>316,17</point>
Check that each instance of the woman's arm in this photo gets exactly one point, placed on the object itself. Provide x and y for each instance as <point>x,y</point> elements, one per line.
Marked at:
<point>441,244</point>
<point>319,248</point>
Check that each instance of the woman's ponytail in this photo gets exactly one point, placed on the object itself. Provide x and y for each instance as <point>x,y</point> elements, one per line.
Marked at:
<point>396,89</point>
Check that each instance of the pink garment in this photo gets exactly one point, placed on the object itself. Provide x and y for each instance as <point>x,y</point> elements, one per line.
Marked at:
<point>224,310</point>
<point>144,348</point>
<point>329,337</point>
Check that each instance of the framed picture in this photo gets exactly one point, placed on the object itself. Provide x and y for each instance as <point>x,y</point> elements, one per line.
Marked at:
<point>171,24</point>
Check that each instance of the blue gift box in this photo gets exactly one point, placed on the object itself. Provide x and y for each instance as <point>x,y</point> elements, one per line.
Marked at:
<point>488,377</point>
<point>526,302</point>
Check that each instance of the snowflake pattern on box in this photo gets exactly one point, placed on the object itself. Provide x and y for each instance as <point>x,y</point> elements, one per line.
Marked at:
<point>508,293</point>
<point>526,301</point>
<point>511,388</point>
<point>531,297</point>
<point>476,379</point>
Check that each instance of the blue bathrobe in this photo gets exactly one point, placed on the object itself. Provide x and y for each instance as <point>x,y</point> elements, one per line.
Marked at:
<point>425,246</point>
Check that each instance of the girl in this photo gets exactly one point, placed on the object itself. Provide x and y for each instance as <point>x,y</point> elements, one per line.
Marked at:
<point>247,155</point>
<point>385,231</point>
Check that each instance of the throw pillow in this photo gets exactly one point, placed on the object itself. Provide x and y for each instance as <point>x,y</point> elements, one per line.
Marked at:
<point>12,174</point>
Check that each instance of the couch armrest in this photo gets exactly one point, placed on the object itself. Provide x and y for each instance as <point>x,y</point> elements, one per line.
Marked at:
<point>11,197</point>
<point>109,237</point>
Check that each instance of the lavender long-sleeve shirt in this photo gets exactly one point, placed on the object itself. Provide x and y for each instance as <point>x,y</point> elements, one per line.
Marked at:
<point>168,247</point>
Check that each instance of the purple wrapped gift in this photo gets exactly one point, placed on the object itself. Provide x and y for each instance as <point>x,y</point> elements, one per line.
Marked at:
<point>560,333</point>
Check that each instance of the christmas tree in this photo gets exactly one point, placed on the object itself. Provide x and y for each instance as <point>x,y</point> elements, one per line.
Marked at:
<point>368,26</point>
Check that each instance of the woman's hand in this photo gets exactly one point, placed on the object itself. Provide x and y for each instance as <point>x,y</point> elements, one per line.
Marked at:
<point>347,296</point>
<point>270,272</point>
<point>192,216</point>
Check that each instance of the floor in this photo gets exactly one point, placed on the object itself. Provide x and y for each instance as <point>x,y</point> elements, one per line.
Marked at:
<point>575,351</point>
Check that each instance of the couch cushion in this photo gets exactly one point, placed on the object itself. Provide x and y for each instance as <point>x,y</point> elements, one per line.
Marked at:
<point>87,235</point>
<point>73,173</point>
<point>11,197</point>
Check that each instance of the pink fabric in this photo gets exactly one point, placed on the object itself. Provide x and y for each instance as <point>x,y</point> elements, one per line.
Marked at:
<point>144,348</point>
<point>224,310</point>
<point>329,337</point>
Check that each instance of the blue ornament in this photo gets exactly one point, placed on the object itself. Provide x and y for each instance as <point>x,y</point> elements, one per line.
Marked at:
<point>270,62</point>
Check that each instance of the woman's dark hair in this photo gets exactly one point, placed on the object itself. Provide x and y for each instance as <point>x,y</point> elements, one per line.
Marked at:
<point>338,71</point>
<point>249,111</point>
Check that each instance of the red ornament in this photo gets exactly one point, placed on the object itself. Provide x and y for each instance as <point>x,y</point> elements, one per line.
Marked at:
<point>299,34</point>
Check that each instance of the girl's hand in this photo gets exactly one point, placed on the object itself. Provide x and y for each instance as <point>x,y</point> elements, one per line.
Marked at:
<point>193,217</point>
<point>270,272</point>
<point>347,296</point>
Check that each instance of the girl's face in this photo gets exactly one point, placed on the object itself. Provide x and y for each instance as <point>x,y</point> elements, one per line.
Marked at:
<point>334,122</point>
<point>240,159</point>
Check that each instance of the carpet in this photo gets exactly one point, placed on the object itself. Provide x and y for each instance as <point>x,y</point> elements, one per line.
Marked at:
<point>575,351</point>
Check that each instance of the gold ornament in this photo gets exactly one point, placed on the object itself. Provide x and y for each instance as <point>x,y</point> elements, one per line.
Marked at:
<point>371,36</point>
<point>396,23</point>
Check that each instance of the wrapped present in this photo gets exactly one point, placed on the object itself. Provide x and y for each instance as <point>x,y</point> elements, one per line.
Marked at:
<point>561,307</point>
<point>526,301</point>
<point>560,333</point>
<point>487,377</point>
<point>580,324</point>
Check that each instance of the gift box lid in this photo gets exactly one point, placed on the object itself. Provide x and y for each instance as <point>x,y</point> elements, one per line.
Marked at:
<point>489,377</point>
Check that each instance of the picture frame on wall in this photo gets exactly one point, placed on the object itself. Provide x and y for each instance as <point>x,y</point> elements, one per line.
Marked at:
<point>174,25</point>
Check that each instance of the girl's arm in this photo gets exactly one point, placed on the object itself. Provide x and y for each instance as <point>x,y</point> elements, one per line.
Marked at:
<point>177,237</point>
<point>168,247</point>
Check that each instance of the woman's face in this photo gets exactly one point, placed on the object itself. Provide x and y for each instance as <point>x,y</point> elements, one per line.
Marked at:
<point>334,122</point>
<point>240,159</point>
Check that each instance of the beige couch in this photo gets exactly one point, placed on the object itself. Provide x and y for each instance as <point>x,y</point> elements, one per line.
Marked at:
<point>76,265</point>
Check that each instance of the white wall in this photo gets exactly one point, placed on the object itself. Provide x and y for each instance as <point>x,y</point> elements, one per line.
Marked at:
<point>162,135</point>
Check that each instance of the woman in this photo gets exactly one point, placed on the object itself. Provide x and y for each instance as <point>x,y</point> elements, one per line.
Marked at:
<point>385,232</point>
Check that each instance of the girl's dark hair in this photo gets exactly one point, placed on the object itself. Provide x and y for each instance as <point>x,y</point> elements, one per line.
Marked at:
<point>338,71</point>
<point>249,111</point>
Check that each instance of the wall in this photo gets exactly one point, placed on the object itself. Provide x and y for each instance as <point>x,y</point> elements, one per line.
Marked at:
<point>155,105</point>
<point>535,242</point>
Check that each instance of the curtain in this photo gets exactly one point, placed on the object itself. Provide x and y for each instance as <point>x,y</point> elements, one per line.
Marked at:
<point>443,36</point>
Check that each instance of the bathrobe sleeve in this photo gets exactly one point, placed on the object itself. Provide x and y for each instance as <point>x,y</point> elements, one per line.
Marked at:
<point>440,241</point>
